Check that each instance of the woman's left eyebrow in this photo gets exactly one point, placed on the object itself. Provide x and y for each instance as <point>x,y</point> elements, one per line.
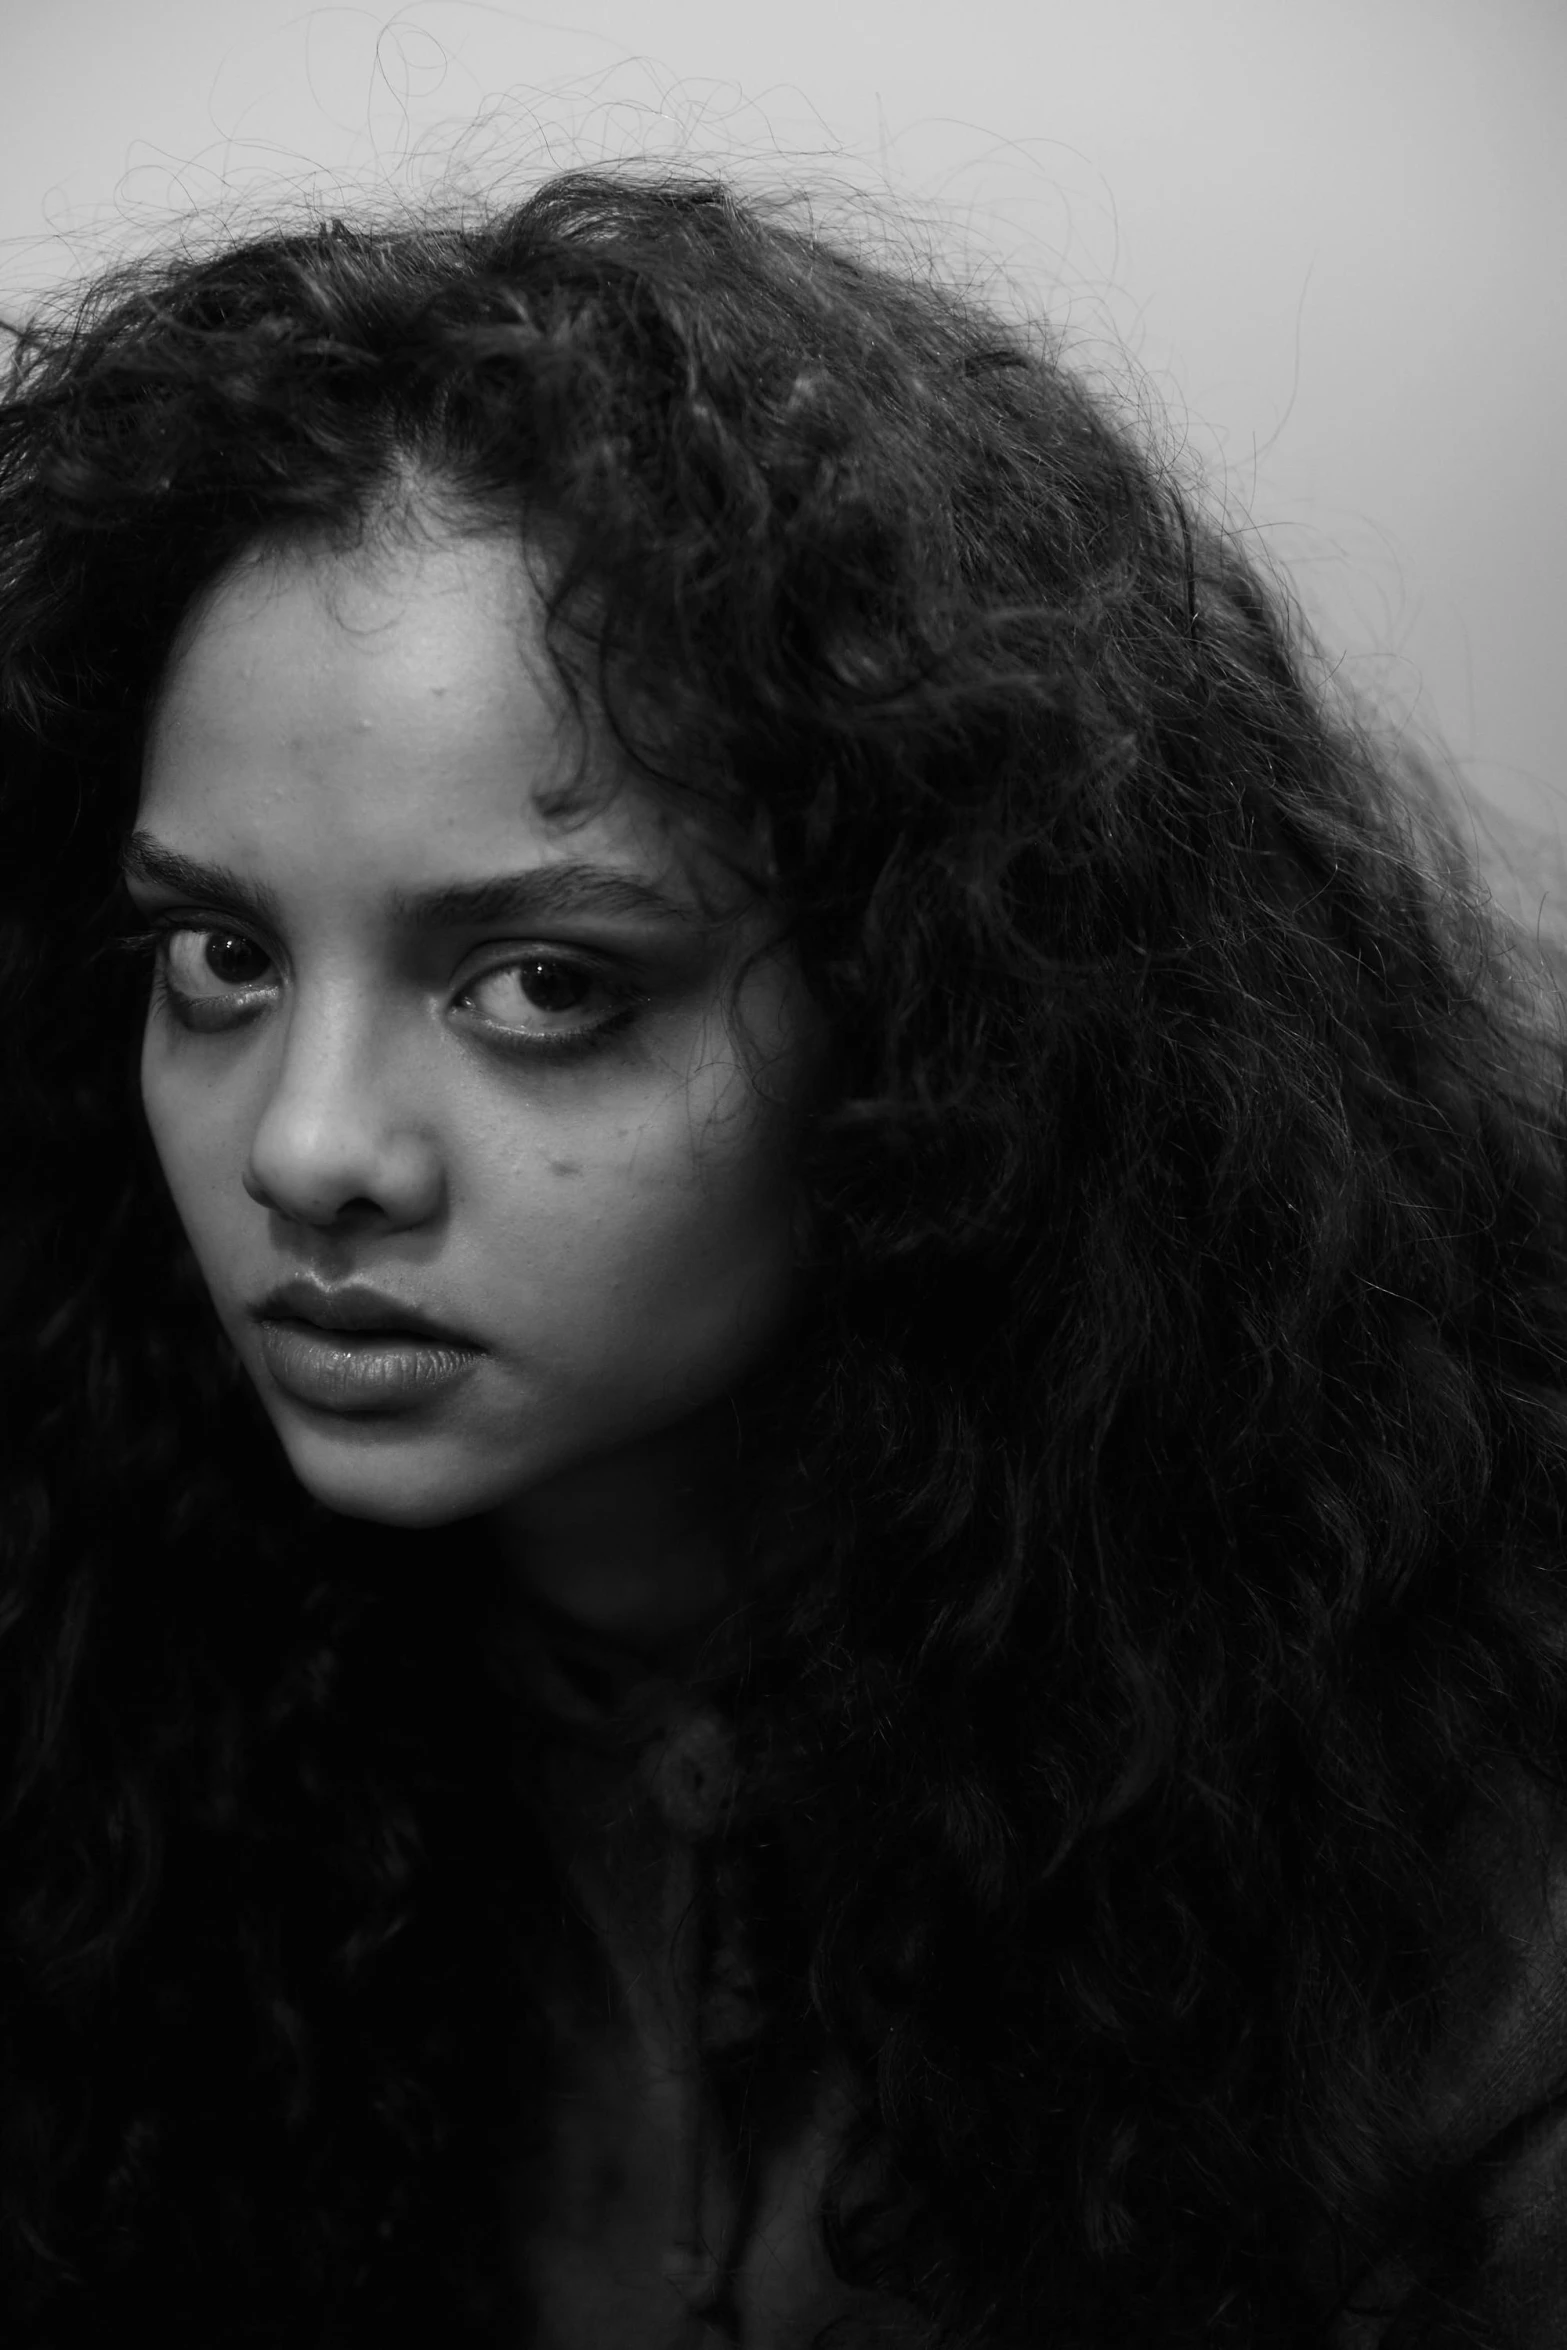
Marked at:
<point>541,890</point>
<point>576,888</point>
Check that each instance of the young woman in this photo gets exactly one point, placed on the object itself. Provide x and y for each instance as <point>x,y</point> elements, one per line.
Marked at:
<point>785,1454</point>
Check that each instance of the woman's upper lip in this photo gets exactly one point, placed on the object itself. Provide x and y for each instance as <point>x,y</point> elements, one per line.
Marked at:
<point>350,1307</point>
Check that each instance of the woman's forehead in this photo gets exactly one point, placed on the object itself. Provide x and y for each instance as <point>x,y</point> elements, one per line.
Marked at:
<point>302,643</point>
<point>390,714</point>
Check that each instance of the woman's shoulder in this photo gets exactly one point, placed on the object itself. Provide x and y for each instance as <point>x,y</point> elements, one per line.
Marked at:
<point>1488,2119</point>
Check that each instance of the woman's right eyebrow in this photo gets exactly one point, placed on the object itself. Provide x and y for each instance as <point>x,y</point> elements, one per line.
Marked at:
<point>147,859</point>
<point>564,888</point>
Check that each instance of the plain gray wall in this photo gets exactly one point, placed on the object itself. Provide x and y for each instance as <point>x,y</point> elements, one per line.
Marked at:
<point>1327,237</point>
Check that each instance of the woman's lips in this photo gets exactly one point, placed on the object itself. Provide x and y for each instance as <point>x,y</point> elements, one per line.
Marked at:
<point>362,1370</point>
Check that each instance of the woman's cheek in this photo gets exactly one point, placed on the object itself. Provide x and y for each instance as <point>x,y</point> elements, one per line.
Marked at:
<point>189,1144</point>
<point>651,1243</point>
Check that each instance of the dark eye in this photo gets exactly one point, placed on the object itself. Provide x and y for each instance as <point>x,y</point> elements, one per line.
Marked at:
<point>541,984</point>
<point>553,987</point>
<point>233,958</point>
<point>203,962</point>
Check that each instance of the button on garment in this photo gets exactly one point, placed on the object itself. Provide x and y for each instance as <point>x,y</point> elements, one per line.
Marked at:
<point>637,2223</point>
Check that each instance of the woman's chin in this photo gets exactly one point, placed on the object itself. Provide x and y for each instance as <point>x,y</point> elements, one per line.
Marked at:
<point>387,1473</point>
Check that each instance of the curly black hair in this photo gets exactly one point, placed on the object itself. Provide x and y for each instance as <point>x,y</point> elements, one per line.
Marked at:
<point>1158,1515</point>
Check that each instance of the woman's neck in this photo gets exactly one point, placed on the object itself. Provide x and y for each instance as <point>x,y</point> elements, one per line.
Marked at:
<point>636,1546</point>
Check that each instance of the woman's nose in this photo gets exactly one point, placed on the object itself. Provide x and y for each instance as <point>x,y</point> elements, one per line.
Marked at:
<point>339,1134</point>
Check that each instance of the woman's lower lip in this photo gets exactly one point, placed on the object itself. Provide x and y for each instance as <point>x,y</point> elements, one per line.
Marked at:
<point>361,1370</point>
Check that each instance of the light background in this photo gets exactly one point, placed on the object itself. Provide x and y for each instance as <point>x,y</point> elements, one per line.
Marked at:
<point>1326,238</point>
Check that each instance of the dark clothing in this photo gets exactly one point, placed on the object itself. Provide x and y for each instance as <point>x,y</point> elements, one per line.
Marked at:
<point>640,2225</point>
<point>1491,2118</point>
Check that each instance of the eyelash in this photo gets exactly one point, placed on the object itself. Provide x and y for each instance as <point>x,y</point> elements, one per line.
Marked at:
<point>148,946</point>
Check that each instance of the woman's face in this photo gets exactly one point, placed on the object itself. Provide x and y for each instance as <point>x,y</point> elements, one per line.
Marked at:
<point>447,1015</point>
